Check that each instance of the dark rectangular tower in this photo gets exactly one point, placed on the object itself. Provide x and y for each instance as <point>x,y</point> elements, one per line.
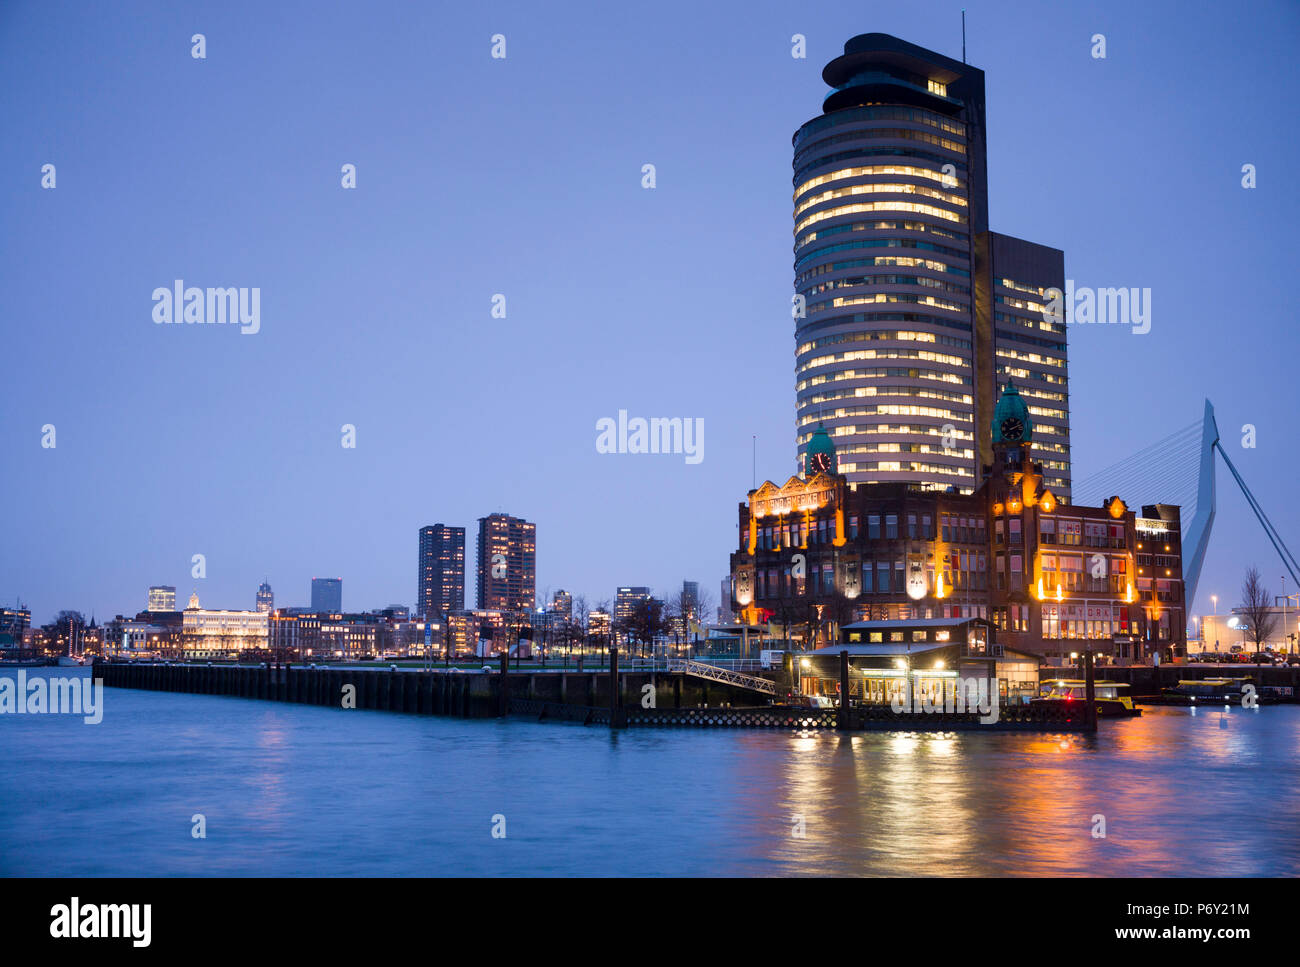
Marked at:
<point>441,578</point>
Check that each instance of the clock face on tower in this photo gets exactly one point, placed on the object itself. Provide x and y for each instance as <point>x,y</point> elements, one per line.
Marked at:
<point>820,463</point>
<point>1012,429</point>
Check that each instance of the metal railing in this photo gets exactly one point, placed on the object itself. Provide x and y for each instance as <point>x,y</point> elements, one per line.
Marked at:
<point>717,673</point>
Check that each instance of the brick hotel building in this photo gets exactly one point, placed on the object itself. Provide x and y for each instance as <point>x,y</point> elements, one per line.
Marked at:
<point>821,551</point>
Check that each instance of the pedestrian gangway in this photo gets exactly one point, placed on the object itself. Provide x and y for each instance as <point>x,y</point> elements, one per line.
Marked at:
<point>714,673</point>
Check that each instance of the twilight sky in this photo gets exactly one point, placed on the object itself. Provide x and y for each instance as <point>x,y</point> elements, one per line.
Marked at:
<point>478,176</point>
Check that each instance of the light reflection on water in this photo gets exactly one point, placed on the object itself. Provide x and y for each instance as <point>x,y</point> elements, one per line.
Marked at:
<point>289,789</point>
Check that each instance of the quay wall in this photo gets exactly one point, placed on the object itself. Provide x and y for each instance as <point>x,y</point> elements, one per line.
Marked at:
<point>1146,680</point>
<point>681,700</point>
<point>459,694</point>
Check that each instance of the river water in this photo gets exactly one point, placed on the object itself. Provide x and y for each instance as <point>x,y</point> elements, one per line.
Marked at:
<point>296,789</point>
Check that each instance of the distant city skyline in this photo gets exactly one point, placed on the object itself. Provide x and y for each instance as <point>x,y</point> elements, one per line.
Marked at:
<point>377,302</point>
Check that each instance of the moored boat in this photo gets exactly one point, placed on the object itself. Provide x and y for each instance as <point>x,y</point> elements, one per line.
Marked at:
<point>1205,691</point>
<point>1111,698</point>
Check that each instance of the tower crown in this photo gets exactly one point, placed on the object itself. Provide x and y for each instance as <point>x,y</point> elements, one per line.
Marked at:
<point>1011,421</point>
<point>820,455</point>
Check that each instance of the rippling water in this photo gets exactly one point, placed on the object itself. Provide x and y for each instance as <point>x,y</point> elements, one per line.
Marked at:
<point>291,789</point>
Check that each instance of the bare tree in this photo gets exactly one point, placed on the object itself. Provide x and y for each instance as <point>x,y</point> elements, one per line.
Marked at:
<point>644,622</point>
<point>601,641</point>
<point>1256,608</point>
<point>680,612</point>
<point>703,605</point>
<point>838,612</point>
<point>577,624</point>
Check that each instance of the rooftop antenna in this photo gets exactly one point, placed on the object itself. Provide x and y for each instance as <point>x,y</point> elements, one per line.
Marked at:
<point>753,473</point>
<point>963,35</point>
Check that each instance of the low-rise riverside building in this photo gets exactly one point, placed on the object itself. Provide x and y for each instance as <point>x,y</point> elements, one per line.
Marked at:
<point>944,659</point>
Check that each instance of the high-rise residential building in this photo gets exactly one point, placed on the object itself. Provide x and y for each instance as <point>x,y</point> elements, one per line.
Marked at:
<point>441,586</point>
<point>562,602</point>
<point>909,312</point>
<point>162,597</point>
<point>327,595</point>
<point>725,615</point>
<point>507,563</point>
<point>265,598</point>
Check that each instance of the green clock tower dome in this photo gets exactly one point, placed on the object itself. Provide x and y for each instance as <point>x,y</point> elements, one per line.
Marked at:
<point>1011,421</point>
<point>820,455</point>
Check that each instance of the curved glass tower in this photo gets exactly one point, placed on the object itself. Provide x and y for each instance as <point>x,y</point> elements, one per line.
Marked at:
<point>895,323</point>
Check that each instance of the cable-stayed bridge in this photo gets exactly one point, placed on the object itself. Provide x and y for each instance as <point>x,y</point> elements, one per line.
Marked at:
<point>1179,469</point>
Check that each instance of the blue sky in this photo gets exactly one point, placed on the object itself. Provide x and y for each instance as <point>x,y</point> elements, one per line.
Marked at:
<point>522,176</point>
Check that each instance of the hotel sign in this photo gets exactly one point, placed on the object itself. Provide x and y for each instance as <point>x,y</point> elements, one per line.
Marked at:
<point>1079,612</point>
<point>796,496</point>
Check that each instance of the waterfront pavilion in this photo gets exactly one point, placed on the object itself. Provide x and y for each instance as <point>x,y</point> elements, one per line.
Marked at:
<point>938,656</point>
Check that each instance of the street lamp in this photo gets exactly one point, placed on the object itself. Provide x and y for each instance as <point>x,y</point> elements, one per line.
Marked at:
<point>1286,636</point>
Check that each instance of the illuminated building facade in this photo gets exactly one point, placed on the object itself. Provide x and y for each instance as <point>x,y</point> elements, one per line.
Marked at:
<point>293,634</point>
<point>162,597</point>
<point>15,628</point>
<point>1054,578</point>
<point>441,579</point>
<point>908,309</point>
<point>265,598</point>
<point>467,628</point>
<point>507,563</point>
<point>296,633</point>
<point>626,600</point>
<point>139,637</point>
<point>562,601</point>
<point>222,634</point>
<point>1163,619</point>
<point>15,622</point>
<point>598,623</point>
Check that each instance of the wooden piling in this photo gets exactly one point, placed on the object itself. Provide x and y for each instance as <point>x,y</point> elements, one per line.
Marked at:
<point>1089,693</point>
<point>842,722</point>
<point>503,686</point>
<point>617,714</point>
